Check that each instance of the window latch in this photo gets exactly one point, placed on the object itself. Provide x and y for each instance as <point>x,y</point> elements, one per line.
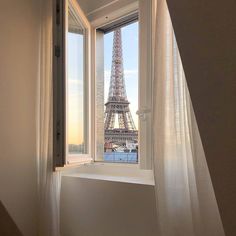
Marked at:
<point>57,51</point>
<point>142,113</point>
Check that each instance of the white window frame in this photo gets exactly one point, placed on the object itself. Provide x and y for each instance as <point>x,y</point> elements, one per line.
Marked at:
<point>145,8</point>
<point>146,45</point>
<point>61,158</point>
<point>145,11</point>
<point>81,158</point>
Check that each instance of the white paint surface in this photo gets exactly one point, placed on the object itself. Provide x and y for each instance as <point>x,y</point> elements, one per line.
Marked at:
<point>89,6</point>
<point>92,207</point>
<point>18,74</point>
<point>125,173</point>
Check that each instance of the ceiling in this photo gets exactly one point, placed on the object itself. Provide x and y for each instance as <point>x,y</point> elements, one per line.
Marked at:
<point>91,5</point>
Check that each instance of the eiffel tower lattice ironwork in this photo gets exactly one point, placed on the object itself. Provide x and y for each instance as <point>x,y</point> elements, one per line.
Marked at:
<point>118,104</point>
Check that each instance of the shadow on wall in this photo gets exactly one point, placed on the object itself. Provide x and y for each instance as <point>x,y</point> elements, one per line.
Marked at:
<point>7,225</point>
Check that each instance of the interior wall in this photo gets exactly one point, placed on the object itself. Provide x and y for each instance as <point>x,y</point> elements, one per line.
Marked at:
<point>18,73</point>
<point>92,207</point>
<point>206,36</point>
<point>8,226</point>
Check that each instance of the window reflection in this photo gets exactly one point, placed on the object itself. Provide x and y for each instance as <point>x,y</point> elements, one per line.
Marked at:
<point>76,93</point>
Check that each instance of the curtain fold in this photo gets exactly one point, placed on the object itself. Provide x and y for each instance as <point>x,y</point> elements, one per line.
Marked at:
<point>48,181</point>
<point>186,204</point>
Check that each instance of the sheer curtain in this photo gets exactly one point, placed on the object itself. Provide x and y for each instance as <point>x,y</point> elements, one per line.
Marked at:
<point>186,204</point>
<point>48,182</point>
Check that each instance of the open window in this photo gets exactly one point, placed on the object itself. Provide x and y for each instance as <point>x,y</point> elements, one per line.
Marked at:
<point>102,86</point>
<point>72,102</point>
<point>117,82</point>
<point>123,59</point>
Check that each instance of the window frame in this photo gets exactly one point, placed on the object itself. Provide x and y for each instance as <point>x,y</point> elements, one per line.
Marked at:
<point>80,158</point>
<point>146,53</point>
<point>145,12</point>
<point>100,32</point>
<point>145,9</point>
<point>60,23</point>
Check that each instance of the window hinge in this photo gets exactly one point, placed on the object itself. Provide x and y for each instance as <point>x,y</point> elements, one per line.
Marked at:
<point>58,130</point>
<point>58,13</point>
<point>57,51</point>
<point>142,113</point>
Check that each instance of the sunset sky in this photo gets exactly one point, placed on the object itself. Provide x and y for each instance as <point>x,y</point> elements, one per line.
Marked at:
<point>75,85</point>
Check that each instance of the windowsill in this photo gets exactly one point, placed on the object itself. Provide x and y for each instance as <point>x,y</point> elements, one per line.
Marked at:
<point>128,173</point>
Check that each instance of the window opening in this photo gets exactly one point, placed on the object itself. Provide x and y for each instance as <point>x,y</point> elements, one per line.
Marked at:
<point>117,96</point>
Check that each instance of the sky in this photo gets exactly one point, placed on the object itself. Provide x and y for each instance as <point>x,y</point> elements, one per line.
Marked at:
<point>75,84</point>
<point>75,80</point>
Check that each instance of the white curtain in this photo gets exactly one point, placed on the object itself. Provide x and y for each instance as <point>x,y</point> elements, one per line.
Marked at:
<point>48,181</point>
<point>186,204</point>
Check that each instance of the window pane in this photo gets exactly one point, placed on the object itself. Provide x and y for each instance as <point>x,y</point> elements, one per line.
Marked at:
<point>117,96</point>
<point>76,84</point>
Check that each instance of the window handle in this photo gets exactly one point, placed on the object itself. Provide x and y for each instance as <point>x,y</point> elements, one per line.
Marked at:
<point>142,113</point>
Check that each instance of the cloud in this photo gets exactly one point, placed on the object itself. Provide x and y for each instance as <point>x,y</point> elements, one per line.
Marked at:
<point>75,82</point>
<point>129,74</point>
<point>107,74</point>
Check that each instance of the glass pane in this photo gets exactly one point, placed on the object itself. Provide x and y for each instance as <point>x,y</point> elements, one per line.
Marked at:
<point>117,95</point>
<point>76,84</point>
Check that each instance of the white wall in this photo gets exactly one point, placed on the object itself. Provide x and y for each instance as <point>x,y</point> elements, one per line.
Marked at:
<point>18,71</point>
<point>92,207</point>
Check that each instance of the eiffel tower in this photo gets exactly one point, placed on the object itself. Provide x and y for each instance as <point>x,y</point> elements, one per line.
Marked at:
<point>118,104</point>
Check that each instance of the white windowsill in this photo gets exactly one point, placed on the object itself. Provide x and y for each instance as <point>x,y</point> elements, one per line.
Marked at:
<point>126,173</point>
